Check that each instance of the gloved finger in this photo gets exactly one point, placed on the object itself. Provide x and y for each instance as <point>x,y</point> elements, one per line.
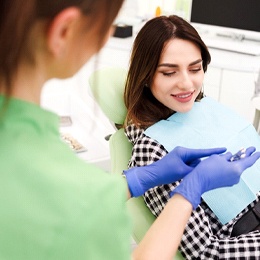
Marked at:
<point>248,161</point>
<point>193,154</point>
<point>246,153</point>
<point>250,150</point>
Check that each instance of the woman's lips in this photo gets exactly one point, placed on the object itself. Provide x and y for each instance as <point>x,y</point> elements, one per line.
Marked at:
<point>184,97</point>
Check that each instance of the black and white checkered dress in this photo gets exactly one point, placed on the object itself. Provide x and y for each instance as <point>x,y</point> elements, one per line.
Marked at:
<point>204,237</point>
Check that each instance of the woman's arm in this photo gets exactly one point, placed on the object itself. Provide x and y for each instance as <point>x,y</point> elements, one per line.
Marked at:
<point>163,238</point>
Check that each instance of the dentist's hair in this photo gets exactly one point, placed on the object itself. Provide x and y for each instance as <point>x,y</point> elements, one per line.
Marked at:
<point>17,18</point>
<point>143,109</point>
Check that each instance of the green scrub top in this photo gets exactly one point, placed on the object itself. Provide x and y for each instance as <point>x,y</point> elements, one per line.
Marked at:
<point>53,205</point>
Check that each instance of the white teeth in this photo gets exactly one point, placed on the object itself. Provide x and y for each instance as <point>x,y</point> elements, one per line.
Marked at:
<point>183,96</point>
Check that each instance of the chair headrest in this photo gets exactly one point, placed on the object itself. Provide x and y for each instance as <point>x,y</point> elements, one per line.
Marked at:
<point>107,86</point>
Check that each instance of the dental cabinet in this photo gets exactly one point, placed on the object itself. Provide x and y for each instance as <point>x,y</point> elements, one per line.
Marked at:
<point>230,79</point>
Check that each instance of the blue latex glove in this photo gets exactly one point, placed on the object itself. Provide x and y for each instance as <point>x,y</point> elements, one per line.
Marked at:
<point>172,167</point>
<point>214,172</point>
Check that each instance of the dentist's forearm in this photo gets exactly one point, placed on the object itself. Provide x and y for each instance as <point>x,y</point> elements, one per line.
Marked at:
<point>163,238</point>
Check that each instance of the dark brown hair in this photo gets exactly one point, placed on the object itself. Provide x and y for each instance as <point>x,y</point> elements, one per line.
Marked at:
<point>17,17</point>
<point>143,109</point>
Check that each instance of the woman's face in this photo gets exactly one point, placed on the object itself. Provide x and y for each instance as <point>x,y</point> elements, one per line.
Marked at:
<point>179,75</point>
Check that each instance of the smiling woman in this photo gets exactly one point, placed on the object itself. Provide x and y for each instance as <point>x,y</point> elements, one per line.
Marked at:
<point>166,109</point>
<point>162,41</point>
<point>178,80</point>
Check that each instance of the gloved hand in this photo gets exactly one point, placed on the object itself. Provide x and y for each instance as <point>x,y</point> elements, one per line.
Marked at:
<point>214,172</point>
<point>172,167</point>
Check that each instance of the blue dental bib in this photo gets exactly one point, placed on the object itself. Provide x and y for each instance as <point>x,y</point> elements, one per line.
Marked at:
<point>208,125</point>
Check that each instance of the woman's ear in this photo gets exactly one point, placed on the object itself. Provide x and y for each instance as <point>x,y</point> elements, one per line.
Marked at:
<point>60,30</point>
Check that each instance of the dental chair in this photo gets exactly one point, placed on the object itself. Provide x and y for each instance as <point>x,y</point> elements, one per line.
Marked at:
<point>107,87</point>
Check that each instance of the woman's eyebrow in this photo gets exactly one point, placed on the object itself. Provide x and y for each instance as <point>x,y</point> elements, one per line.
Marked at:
<point>172,65</point>
<point>195,62</point>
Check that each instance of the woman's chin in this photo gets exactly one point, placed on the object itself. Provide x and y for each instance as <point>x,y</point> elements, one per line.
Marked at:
<point>184,109</point>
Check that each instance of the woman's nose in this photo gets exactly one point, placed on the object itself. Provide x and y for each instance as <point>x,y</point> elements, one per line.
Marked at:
<point>184,81</point>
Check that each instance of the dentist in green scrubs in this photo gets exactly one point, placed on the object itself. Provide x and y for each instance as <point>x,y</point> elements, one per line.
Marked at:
<point>53,204</point>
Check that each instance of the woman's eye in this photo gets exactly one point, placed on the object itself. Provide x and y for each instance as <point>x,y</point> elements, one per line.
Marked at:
<point>168,74</point>
<point>195,70</point>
